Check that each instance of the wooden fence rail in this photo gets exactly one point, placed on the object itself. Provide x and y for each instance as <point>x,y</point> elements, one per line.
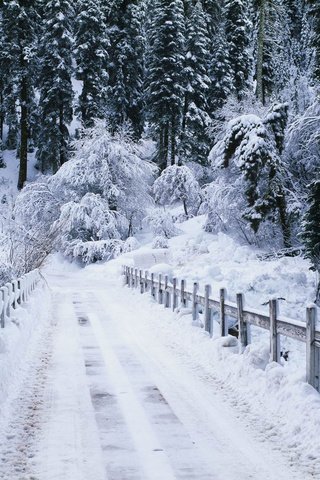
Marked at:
<point>16,293</point>
<point>171,295</point>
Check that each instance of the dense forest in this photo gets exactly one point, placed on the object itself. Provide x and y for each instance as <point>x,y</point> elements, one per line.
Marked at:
<point>213,104</point>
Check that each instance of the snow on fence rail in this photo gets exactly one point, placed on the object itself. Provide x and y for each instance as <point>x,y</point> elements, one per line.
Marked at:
<point>16,293</point>
<point>170,295</point>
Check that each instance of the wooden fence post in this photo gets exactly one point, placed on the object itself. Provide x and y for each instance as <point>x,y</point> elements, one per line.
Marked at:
<point>132,277</point>
<point>152,285</point>
<point>244,332</point>
<point>160,297</point>
<point>195,310</point>
<point>141,282</point>
<point>223,323</point>
<point>207,310</point>
<point>4,293</point>
<point>166,293</point>
<point>183,301</point>
<point>174,294</point>
<point>313,352</point>
<point>135,277</point>
<point>274,337</point>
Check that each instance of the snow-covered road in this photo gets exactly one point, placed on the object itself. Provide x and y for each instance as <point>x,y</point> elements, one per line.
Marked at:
<point>108,397</point>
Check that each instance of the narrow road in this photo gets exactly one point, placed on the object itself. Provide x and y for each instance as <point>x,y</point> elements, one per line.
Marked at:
<point>116,402</point>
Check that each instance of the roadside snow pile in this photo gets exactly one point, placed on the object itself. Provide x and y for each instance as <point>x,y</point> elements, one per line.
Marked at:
<point>19,338</point>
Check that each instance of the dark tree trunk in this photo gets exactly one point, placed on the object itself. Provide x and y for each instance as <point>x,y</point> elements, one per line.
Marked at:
<point>23,134</point>
<point>260,51</point>
<point>173,141</point>
<point>284,223</point>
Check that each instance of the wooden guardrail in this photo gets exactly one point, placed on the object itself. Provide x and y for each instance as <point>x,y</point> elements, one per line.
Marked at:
<point>174,295</point>
<point>16,293</point>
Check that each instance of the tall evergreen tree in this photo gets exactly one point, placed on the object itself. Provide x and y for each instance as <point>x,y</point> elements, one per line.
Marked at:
<point>125,23</point>
<point>311,231</point>
<point>20,22</point>
<point>92,60</point>
<point>165,79</point>
<point>238,37</point>
<point>56,92</point>
<point>195,121</point>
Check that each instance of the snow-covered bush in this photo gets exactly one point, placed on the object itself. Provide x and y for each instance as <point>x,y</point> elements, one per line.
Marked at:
<point>161,223</point>
<point>131,244</point>
<point>177,184</point>
<point>93,251</point>
<point>160,242</point>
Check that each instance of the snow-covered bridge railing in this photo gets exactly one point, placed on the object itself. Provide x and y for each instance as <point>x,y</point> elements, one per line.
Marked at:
<point>16,293</point>
<point>174,295</point>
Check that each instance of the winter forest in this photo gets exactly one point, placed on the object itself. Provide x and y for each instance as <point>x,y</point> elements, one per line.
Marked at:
<point>131,107</point>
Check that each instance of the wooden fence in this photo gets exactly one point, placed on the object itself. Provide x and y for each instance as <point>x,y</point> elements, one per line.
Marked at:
<point>173,295</point>
<point>16,293</point>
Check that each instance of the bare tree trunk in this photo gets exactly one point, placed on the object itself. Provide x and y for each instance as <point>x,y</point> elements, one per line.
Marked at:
<point>185,208</point>
<point>23,134</point>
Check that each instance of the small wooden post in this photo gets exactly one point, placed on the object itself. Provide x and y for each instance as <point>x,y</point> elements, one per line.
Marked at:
<point>141,282</point>
<point>166,293</point>
<point>14,284</point>
<point>128,276</point>
<point>223,323</point>
<point>274,337</point>
<point>244,331</point>
<point>195,313</point>
<point>146,281</point>
<point>313,352</point>
<point>132,278</point>
<point>152,290</point>
<point>20,291</point>
<point>207,310</point>
<point>160,296</point>
<point>183,301</point>
<point>174,294</point>
<point>4,294</point>
<point>136,278</point>
<point>10,299</point>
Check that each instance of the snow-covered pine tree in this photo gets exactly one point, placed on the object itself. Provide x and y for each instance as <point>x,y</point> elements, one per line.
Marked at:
<point>311,231</point>
<point>272,48</point>
<point>315,10</point>
<point>250,150</point>
<point>196,120</point>
<point>125,26</point>
<point>91,42</point>
<point>220,72</point>
<point>238,26</point>
<point>165,77</point>
<point>20,22</point>
<point>56,93</point>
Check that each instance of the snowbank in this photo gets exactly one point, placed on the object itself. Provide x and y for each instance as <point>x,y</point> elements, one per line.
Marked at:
<point>20,337</point>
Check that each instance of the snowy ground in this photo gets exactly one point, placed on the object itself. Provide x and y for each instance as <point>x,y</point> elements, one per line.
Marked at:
<point>116,387</point>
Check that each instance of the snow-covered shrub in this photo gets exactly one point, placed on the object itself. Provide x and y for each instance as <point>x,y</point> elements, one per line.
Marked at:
<point>160,242</point>
<point>131,244</point>
<point>93,251</point>
<point>89,221</point>
<point>177,184</point>
<point>161,223</point>
<point>31,232</point>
